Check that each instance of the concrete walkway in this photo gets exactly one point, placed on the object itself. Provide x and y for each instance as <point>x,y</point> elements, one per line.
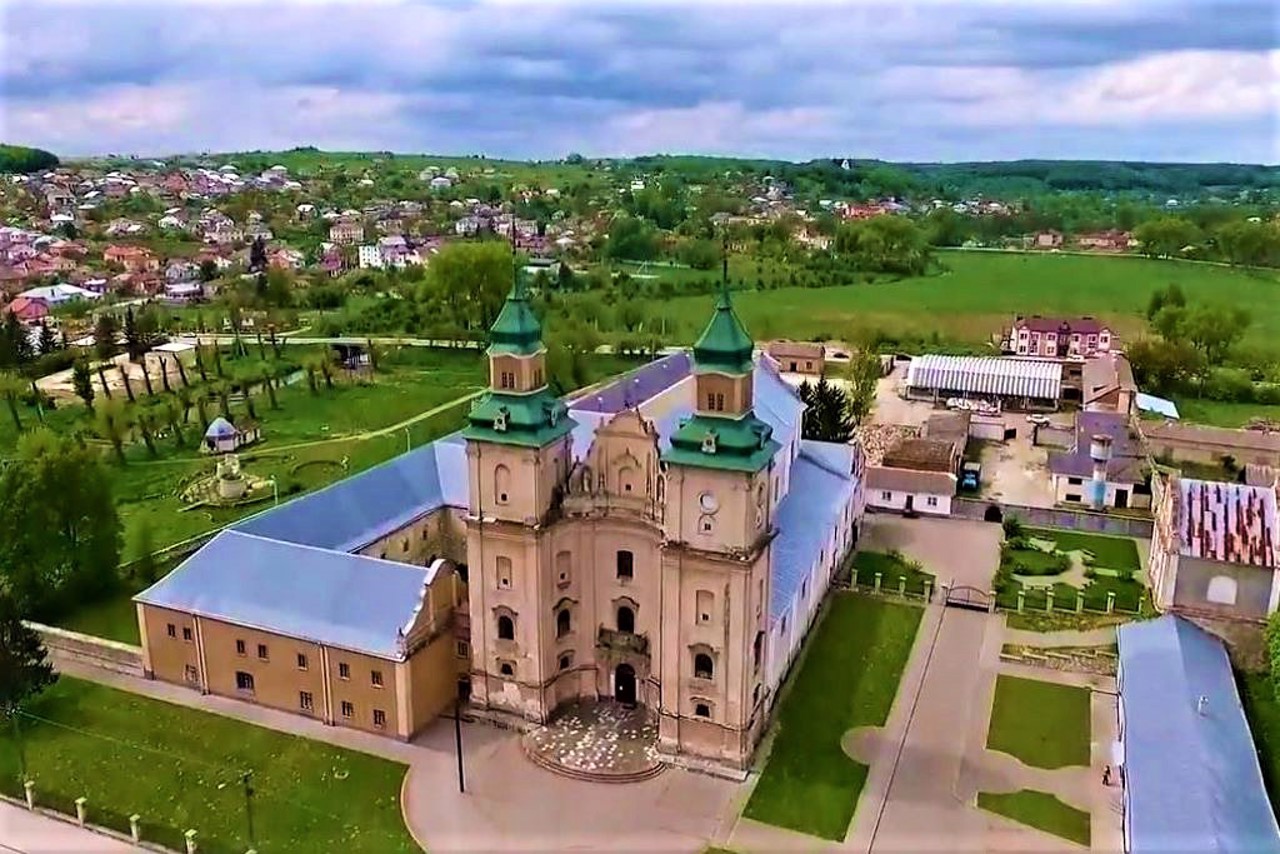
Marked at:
<point>1090,637</point>
<point>24,832</point>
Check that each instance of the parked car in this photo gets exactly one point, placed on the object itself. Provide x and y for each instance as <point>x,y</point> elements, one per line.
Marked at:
<point>971,476</point>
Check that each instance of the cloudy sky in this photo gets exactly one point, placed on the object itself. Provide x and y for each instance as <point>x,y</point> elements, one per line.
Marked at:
<point>1195,80</point>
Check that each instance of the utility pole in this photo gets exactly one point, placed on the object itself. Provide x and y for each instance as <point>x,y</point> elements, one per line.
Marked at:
<point>457,736</point>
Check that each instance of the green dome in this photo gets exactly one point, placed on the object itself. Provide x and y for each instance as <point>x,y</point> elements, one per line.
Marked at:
<point>724,345</point>
<point>517,330</point>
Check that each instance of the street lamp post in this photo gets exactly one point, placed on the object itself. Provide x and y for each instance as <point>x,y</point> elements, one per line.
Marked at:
<point>247,780</point>
<point>457,737</point>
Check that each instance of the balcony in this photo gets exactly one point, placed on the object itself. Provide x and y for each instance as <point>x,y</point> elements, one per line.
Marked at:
<point>616,641</point>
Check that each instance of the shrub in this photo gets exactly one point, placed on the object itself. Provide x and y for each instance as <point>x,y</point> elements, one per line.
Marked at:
<point>1012,528</point>
<point>1273,650</point>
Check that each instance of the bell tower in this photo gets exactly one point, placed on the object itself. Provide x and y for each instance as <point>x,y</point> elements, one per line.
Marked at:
<point>715,567</point>
<point>518,456</point>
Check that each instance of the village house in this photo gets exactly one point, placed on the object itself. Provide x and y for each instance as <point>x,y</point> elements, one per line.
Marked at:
<point>346,231</point>
<point>182,271</point>
<point>664,540</point>
<point>798,357</point>
<point>1107,384</point>
<point>1119,457</point>
<point>30,311</point>
<point>1059,338</point>
<point>1113,240</point>
<point>1214,548</point>
<point>134,259</point>
<point>1048,240</point>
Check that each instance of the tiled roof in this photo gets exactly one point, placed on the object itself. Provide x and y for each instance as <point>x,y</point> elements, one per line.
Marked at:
<point>1229,522</point>
<point>328,597</point>
<point>1191,775</point>
<point>360,509</point>
<point>807,516</point>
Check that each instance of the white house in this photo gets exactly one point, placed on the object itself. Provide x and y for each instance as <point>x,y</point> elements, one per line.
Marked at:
<point>55,295</point>
<point>910,490</point>
<point>370,256</point>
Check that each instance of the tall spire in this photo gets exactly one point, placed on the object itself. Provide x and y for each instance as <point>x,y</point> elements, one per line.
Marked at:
<point>724,346</point>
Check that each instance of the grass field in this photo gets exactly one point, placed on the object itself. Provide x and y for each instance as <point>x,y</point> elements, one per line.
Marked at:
<point>1221,414</point>
<point>1044,724</point>
<point>1110,552</point>
<point>1041,811</point>
<point>848,678</point>
<point>1263,712</point>
<point>892,568</point>
<point>180,768</point>
<point>983,290</point>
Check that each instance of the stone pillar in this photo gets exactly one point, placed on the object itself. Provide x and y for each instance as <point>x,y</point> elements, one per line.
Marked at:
<point>877,583</point>
<point>902,585</point>
<point>29,787</point>
<point>80,810</point>
<point>1022,599</point>
<point>190,836</point>
<point>135,830</point>
<point>991,601</point>
<point>1111,601</point>
<point>1048,601</point>
<point>1079,601</point>
<point>928,590</point>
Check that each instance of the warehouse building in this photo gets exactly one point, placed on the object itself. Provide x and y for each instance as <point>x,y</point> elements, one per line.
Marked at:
<point>1012,383</point>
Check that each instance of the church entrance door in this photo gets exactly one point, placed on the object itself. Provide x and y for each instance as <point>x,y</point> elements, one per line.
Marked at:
<point>624,685</point>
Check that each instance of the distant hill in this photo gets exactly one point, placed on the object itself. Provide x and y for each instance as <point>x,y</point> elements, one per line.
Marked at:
<point>19,158</point>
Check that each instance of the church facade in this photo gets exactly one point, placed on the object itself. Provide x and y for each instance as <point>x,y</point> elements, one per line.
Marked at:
<point>663,539</point>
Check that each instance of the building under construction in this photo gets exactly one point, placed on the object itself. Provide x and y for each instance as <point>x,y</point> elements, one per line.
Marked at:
<point>1214,548</point>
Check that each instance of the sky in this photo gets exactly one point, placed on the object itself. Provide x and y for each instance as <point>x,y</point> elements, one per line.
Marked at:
<point>906,80</point>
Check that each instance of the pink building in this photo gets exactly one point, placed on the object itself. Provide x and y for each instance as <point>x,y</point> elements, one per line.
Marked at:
<point>1059,338</point>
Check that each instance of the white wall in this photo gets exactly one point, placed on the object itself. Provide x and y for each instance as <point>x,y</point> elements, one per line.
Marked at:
<point>897,500</point>
<point>1062,488</point>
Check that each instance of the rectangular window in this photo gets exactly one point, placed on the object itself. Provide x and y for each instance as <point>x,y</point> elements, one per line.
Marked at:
<point>172,630</point>
<point>1073,481</point>
<point>379,718</point>
<point>626,564</point>
<point>886,496</point>
<point>186,633</point>
<point>344,670</point>
<point>711,401</point>
<point>719,403</point>
<point>305,702</point>
<point>302,661</point>
<point>244,681</point>
<point>240,647</point>
<point>463,649</point>
<point>262,652</point>
<point>375,677</point>
<point>348,710</point>
<point>932,501</point>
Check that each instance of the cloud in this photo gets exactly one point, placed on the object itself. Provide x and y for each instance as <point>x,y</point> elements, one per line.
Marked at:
<point>919,79</point>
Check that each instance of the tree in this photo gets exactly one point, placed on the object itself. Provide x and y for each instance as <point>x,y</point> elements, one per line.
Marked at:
<point>59,528</point>
<point>1214,329</point>
<point>885,244</point>
<point>113,424</point>
<point>144,569</point>
<point>1249,243</point>
<point>208,270</point>
<point>82,382</point>
<point>102,380</point>
<point>11,387</point>
<point>630,239</point>
<point>1171,296</point>
<point>147,427</point>
<point>48,342</point>
<point>827,417</point>
<point>128,386</point>
<point>146,378</point>
<point>1163,366</point>
<point>864,373</point>
<point>15,343</point>
<point>269,373</point>
<point>1167,236</point>
<point>258,255</point>
<point>25,670</point>
<point>184,400</point>
<point>173,416</point>
<point>106,331</point>
<point>473,279</point>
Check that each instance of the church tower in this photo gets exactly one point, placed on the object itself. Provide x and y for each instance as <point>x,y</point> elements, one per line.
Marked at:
<point>717,529</point>
<point>519,456</point>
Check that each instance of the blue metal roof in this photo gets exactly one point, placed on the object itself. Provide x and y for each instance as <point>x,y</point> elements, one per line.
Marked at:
<point>220,428</point>
<point>355,511</point>
<point>1191,770</point>
<point>1159,405</point>
<point>342,600</point>
<point>636,386</point>
<point>821,486</point>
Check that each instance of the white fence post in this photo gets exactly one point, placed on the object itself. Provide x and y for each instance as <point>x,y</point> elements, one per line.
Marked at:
<point>80,809</point>
<point>135,829</point>
<point>29,787</point>
<point>190,836</point>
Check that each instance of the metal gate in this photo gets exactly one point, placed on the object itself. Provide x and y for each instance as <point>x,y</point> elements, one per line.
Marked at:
<point>969,597</point>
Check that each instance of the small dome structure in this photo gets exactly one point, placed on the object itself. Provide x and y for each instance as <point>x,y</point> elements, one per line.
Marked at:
<point>220,428</point>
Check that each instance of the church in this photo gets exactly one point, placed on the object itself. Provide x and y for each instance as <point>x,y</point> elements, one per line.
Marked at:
<point>662,539</point>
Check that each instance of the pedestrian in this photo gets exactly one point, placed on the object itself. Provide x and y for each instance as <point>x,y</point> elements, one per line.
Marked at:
<point>1106,775</point>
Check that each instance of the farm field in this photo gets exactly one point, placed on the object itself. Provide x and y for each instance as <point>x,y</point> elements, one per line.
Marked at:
<point>981,291</point>
<point>1224,414</point>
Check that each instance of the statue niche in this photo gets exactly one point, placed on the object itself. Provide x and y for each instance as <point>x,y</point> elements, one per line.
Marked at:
<point>620,471</point>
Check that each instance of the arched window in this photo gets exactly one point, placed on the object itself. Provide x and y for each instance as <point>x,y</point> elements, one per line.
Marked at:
<point>501,483</point>
<point>626,619</point>
<point>564,623</point>
<point>626,564</point>
<point>703,666</point>
<point>1222,590</point>
<point>506,628</point>
<point>506,669</point>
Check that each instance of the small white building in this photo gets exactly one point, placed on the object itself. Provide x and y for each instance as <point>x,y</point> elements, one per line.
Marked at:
<point>910,491</point>
<point>370,256</point>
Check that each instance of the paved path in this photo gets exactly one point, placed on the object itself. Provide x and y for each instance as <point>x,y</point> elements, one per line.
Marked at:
<point>1090,637</point>
<point>23,832</point>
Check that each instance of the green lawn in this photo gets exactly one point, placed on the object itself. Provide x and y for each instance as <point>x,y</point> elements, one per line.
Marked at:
<point>115,619</point>
<point>1041,811</point>
<point>1220,414</point>
<point>1044,724</point>
<point>892,568</point>
<point>1262,709</point>
<point>982,290</point>
<point>848,678</point>
<point>179,768</point>
<point>1111,552</point>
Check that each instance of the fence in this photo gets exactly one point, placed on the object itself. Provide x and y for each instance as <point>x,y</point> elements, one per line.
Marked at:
<point>1056,517</point>
<point>90,650</point>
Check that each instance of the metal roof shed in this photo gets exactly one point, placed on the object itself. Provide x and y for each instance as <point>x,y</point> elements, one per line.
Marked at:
<point>1191,775</point>
<point>1029,378</point>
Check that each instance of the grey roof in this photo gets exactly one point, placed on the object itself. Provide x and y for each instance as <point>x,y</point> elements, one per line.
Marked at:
<point>342,600</point>
<point>355,511</point>
<point>987,375</point>
<point>1127,464</point>
<point>911,480</point>
<point>1119,469</point>
<point>1192,781</point>
<point>821,484</point>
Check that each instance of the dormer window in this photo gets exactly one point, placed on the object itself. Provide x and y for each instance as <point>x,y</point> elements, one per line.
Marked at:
<point>709,442</point>
<point>500,420</point>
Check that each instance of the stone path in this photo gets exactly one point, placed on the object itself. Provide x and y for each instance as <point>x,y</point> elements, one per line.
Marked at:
<point>1088,637</point>
<point>24,832</point>
<point>602,739</point>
